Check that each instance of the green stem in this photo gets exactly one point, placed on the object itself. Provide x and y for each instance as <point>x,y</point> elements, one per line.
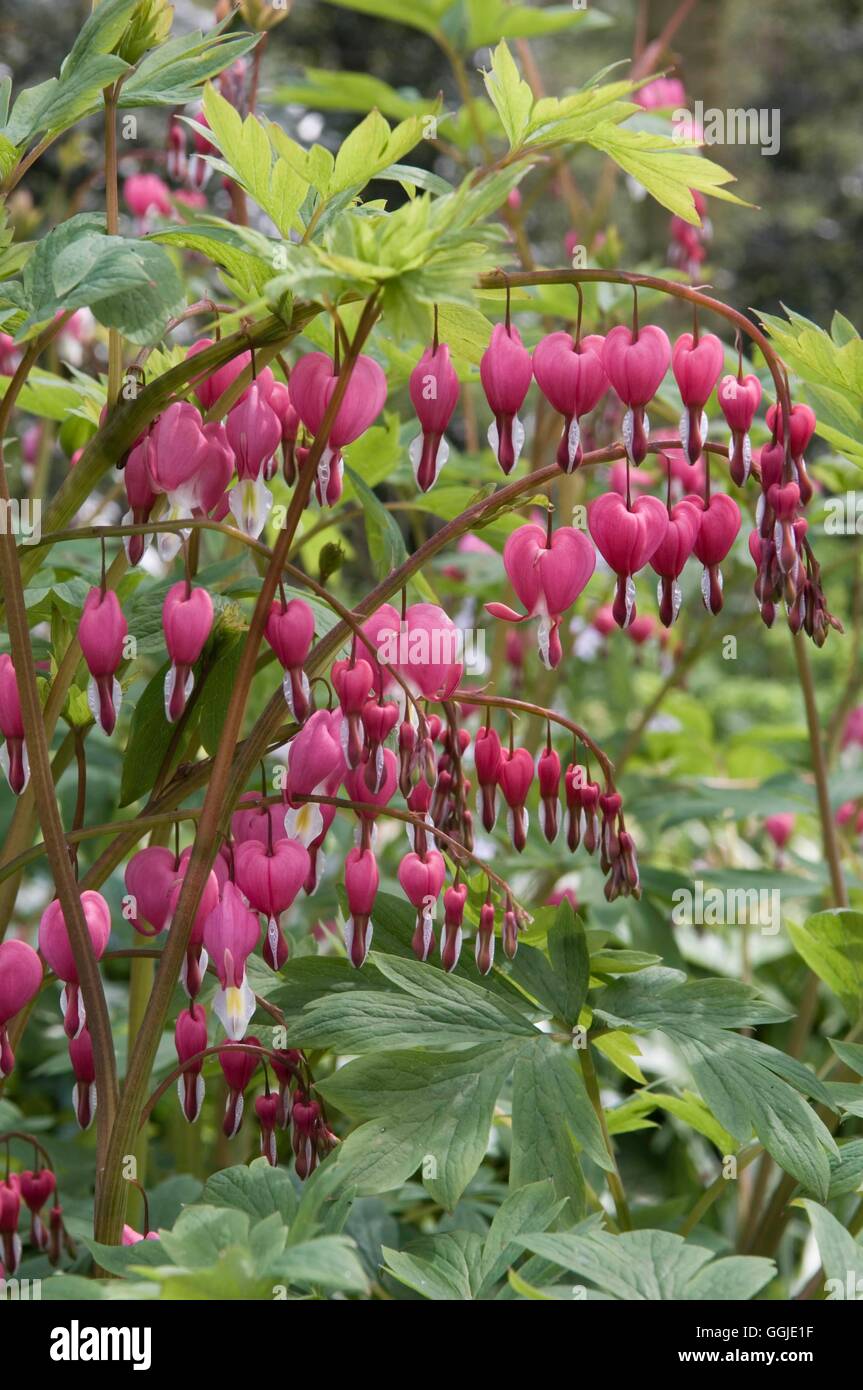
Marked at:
<point>615,1184</point>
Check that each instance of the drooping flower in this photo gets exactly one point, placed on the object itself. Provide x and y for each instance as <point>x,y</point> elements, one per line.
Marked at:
<point>231,933</point>
<point>635,366</point>
<point>626,537</point>
<point>195,959</point>
<point>515,775</point>
<point>187,619</point>
<point>13,754</point>
<point>146,194</point>
<point>548,771</point>
<point>717,531</point>
<point>56,948</point>
<point>210,388</point>
<point>487,760</point>
<point>141,496</point>
<point>190,1038</point>
<point>177,450</point>
<point>670,556</point>
<point>149,876</point>
<point>454,900</point>
<point>35,1189</point>
<point>84,1095</point>
<point>313,384</point>
<point>238,1068</point>
<point>361,885</point>
<point>10,1215</point>
<point>316,766</point>
<point>433,390</point>
<point>484,946</point>
<point>572,378</point>
<point>780,827</point>
<point>254,433</point>
<point>102,632</point>
<point>271,876</point>
<point>20,981</point>
<point>548,571</point>
<point>422,878</point>
<point>290,630</point>
<point>353,682</point>
<point>739,397</point>
<point>696,364</point>
<point>267,1111</point>
<point>506,371</point>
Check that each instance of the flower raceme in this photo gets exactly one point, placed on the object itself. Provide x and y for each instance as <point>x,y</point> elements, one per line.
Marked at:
<point>548,571</point>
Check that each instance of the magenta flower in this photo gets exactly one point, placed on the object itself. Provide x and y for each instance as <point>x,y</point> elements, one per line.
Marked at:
<point>313,383</point>
<point>739,397</point>
<point>10,1215</point>
<point>353,681</point>
<point>146,194</point>
<point>267,1110</point>
<point>177,451</point>
<point>515,776</point>
<point>720,523</point>
<point>36,1188</point>
<point>670,556</point>
<point>316,766</point>
<point>271,877</point>
<point>422,878</point>
<point>626,537</point>
<point>506,371</point>
<point>780,827</point>
<point>20,981</point>
<point>211,387</point>
<point>238,1068</point>
<point>56,950</point>
<point>195,960</point>
<point>803,423</point>
<point>384,774</point>
<point>548,771</point>
<point>216,473</point>
<point>102,631</point>
<point>231,933</point>
<point>433,390</point>
<point>454,900</point>
<point>484,945</point>
<point>187,619</point>
<point>281,403</point>
<point>548,571</point>
<point>635,367</point>
<point>361,885</point>
<point>572,378</point>
<point>84,1068</point>
<point>254,433</point>
<point>13,754</point>
<point>487,756</point>
<point>696,365</point>
<point>290,631</point>
<point>141,496</point>
<point>190,1038</point>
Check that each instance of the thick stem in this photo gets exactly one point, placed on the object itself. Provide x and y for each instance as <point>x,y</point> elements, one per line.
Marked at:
<point>615,1184</point>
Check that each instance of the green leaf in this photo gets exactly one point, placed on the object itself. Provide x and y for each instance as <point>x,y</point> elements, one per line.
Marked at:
<point>831,943</point>
<point>491,20</point>
<point>246,146</point>
<point>259,1190</point>
<point>665,169</point>
<point>173,73</point>
<point>328,1262</point>
<point>443,1271</point>
<point>216,694</point>
<point>551,1112</point>
<point>351,91</point>
<point>124,1260</point>
<point>384,538</point>
<point>841,1255</point>
<point>418,1108</point>
<point>653,1265</point>
<point>101,31</point>
<point>202,1233</point>
<point>246,256</point>
<point>510,95</point>
<point>420,14</point>
<point>746,1084</point>
<point>532,1207</point>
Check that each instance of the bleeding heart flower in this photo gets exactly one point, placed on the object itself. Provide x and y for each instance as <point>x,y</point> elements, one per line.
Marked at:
<point>313,384</point>
<point>361,885</point>
<point>177,450</point>
<point>454,900</point>
<point>572,378</point>
<point>13,755</point>
<point>141,496</point>
<point>696,366</point>
<point>720,523</point>
<point>187,619</point>
<point>56,949</point>
<point>290,630</point>
<point>190,1038</point>
<point>635,366</point>
<point>548,571</point>
<point>433,390</point>
<point>506,371</point>
<point>484,948</point>
<point>739,398</point>
<point>271,876</point>
<point>216,384</point>
<point>149,877</point>
<point>231,933</point>
<point>422,878</point>
<point>102,631</point>
<point>20,981</point>
<point>238,1068</point>
<point>626,537</point>
<point>670,556</point>
<point>316,766</point>
<point>515,776</point>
